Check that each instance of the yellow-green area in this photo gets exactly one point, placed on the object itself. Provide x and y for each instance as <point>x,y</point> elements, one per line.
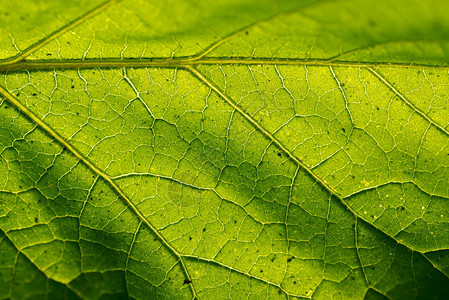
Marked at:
<point>233,149</point>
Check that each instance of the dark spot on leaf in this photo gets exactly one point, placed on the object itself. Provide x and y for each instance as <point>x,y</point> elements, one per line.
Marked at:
<point>344,130</point>
<point>246,32</point>
<point>36,219</point>
<point>72,86</point>
<point>290,259</point>
<point>34,94</point>
<point>279,154</point>
<point>294,282</point>
<point>261,271</point>
<point>18,94</point>
<point>186,281</point>
<point>48,54</point>
<point>190,238</point>
<point>204,229</point>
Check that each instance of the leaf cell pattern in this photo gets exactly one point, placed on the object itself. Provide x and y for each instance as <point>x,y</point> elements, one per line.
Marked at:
<point>224,150</point>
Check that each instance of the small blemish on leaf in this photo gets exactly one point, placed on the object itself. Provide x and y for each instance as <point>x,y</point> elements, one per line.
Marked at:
<point>186,281</point>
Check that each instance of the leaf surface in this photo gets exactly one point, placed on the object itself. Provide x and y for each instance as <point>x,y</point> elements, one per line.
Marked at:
<point>224,149</point>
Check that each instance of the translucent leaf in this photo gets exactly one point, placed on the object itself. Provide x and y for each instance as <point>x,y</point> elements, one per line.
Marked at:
<point>224,149</point>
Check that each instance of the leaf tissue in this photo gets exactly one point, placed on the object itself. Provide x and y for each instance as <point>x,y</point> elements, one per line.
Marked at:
<point>232,149</point>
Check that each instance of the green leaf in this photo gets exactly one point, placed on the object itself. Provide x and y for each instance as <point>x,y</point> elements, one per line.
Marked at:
<point>224,149</point>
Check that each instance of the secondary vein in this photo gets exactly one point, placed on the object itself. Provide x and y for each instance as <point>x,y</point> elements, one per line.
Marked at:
<point>100,173</point>
<point>33,48</point>
<point>268,135</point>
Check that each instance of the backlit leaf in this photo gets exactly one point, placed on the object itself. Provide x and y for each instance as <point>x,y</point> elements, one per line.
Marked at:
<point>224,149</point>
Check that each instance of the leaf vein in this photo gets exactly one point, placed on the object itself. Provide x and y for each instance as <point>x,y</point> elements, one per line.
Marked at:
<point>99,172</point>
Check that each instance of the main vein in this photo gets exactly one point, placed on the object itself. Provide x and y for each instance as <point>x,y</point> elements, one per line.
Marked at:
<point>18,63</point>
<point>189,61</point>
